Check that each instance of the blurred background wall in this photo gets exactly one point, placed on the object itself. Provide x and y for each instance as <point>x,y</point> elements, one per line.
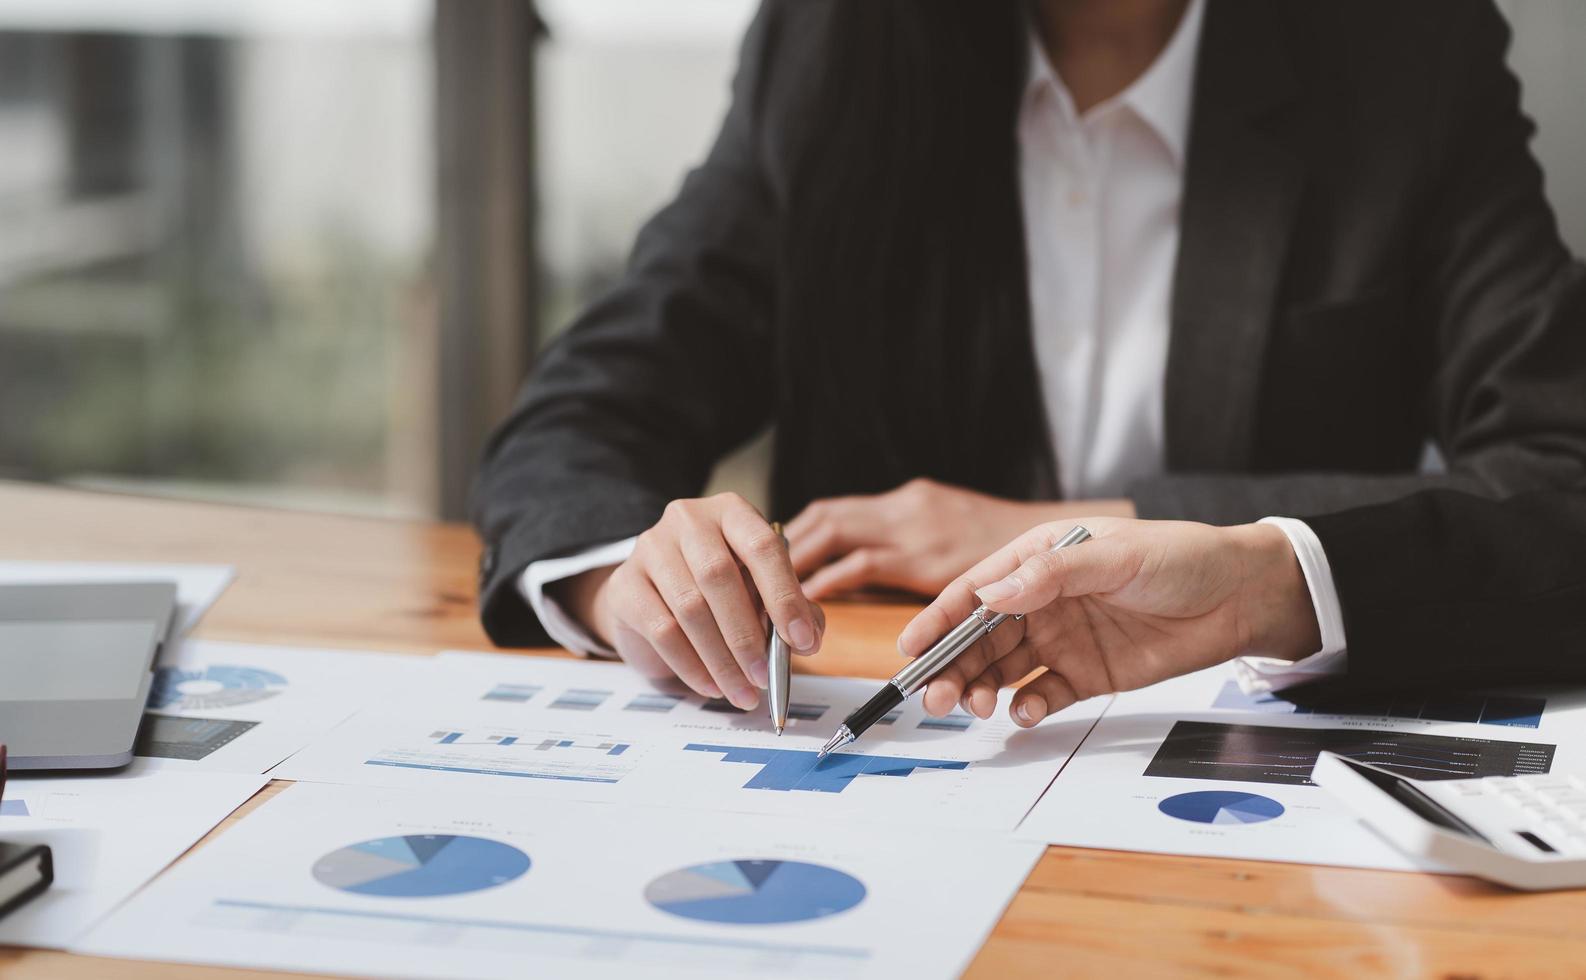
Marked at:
<point>298,252</point>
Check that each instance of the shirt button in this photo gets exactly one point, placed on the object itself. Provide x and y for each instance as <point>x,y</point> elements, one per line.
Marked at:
<point>1078,198</point>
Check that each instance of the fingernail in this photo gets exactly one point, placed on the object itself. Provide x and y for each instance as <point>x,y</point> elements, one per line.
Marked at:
<point>1032,709</point>
<point>746,699</point>
<point>712,691</point>
<point>985,703</point>
<point>759,673</point>
<point>998,591</point>
<point>801,634</point>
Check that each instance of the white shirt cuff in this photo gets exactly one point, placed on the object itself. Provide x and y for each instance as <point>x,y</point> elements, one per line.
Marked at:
<point>1263,675</point>
<point>558,622</point>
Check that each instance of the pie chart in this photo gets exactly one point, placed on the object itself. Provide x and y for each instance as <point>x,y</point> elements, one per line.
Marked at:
<point>217,686</point>
<point>420,866</point>
<point>1221,807</point>
<point>755,892</point>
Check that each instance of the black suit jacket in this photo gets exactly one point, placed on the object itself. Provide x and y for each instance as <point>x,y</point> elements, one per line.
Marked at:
<point>1449,589</point>
<point>1366,263</point>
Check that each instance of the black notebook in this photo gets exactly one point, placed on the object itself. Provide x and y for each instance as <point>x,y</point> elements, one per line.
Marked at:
<point>25,871</point>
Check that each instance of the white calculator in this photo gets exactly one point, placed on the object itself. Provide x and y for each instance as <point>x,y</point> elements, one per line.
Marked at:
<point>1526,832</point>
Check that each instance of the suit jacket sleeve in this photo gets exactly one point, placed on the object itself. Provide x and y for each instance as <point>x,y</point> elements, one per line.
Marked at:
<point>1505,303</point>
<point>632,406</point>
<point>1450,588</point>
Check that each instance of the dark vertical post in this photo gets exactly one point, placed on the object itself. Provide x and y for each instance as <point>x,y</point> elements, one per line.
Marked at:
<point>486,262</point>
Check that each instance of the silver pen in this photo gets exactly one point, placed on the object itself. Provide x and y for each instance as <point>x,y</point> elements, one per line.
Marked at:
<point>779,661</point>
<point>928,664</point>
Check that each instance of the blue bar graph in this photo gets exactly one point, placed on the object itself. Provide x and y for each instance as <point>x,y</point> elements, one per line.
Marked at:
<point>13,808</point>
<point>792,769</point>
<point>608,748</point>
<point>504,741</point>
<point>516,693</point>
<point>657,702</point>
<point>580,699</point>
<point>958,721</point>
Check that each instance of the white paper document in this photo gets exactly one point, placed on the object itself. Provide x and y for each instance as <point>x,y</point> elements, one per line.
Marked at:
<point>108,835</point>
<point>197,586</point>
<point>565,729</point>
<point>367,881</point>
<point>1197,766</point>
<point>236,707</point>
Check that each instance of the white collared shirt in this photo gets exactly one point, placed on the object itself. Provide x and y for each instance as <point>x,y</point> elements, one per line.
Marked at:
<point>1100,194</point>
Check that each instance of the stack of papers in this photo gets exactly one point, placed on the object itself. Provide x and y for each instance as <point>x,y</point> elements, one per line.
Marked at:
<point>493,815</point>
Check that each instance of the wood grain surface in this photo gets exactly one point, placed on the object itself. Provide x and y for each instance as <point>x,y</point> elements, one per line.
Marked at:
<point>315,580</point>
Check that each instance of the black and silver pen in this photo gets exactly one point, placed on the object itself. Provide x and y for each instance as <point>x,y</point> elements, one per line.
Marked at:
<point>928,664</point>
<point>779,667</point>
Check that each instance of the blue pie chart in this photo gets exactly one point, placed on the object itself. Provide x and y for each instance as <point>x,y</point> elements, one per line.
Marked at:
<point>1221,807</point>
<point>420,866</point>
<point>215,686</point>
<point>755,892</point>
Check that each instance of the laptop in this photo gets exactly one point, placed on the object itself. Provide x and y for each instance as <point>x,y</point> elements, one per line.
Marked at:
<point>76,662</point>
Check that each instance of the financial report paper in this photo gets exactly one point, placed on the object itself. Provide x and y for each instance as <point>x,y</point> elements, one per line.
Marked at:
<point>238,707</point>
<point>108,835</point>
<point>1197,766</point>
<point>383,882</point>
<point>564,729</point>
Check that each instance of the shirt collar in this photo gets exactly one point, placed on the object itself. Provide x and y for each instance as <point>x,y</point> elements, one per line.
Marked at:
<point>1162,96</point>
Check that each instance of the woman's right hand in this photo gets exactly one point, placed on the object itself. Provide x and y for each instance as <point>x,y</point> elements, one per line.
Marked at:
<point>1141,602</point>
<point>688,602</point>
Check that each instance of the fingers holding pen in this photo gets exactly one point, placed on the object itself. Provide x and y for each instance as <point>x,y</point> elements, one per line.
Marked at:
<point>691,612</point>
<point>720,581</point>
<point>947,688</point>
<point>765,556</point>
<point>961,597</point>
<point>647,631</point>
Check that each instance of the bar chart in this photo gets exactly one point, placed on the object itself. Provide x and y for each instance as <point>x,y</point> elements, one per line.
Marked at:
<point>794,769</point>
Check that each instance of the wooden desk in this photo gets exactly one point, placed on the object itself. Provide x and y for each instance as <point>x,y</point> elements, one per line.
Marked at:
<point>388,585</point>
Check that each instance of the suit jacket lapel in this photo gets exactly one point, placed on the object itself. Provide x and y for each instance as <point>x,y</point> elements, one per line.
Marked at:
<point>1241,190</point>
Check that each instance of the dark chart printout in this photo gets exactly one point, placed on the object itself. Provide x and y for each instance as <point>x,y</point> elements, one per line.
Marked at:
<point>168,737</point>
<point>1260,754</point>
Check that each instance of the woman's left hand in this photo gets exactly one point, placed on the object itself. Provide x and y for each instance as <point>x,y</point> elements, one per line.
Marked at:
<point>916,538</point>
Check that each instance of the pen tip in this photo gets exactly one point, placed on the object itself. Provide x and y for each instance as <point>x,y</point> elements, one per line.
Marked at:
<point>779,729</point>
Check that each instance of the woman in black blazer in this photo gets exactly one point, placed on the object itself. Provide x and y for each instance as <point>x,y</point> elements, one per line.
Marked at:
<point>1365,264</point>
